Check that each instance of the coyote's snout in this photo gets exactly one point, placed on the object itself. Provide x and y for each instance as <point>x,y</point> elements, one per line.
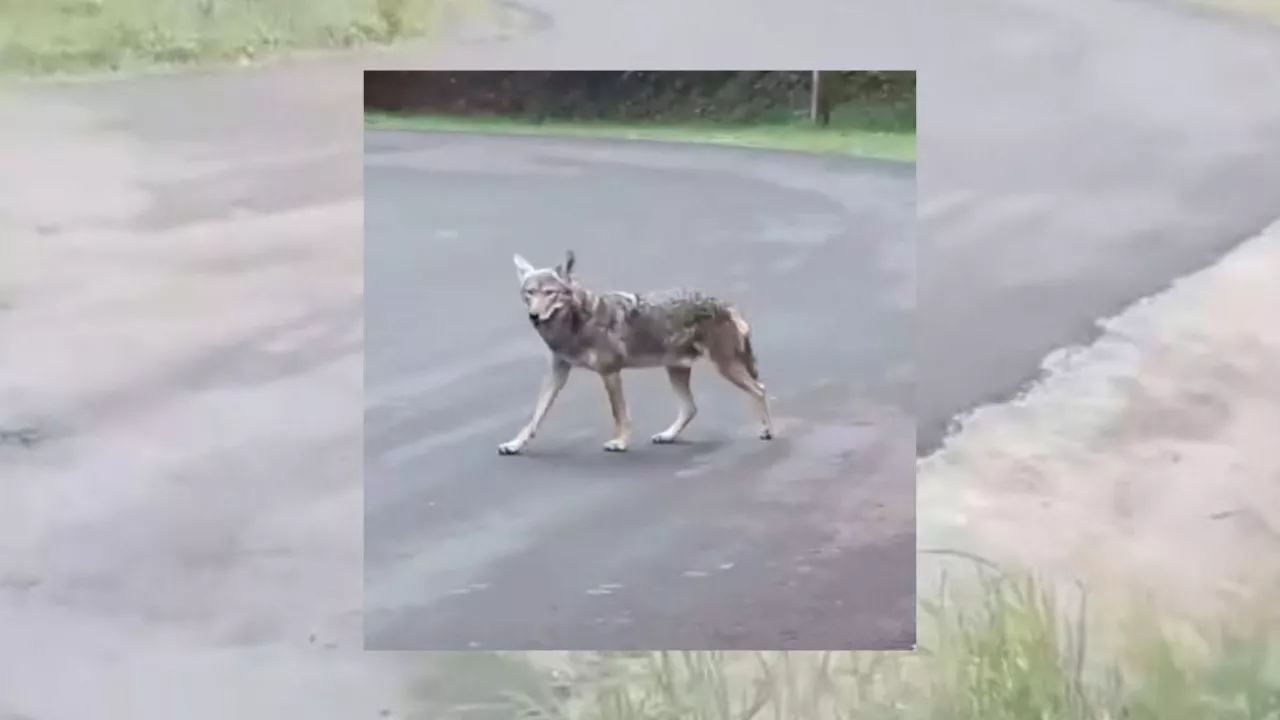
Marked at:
<point>609,332</point>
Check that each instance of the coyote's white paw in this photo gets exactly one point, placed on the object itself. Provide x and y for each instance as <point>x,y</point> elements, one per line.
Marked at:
<point>510,448</point>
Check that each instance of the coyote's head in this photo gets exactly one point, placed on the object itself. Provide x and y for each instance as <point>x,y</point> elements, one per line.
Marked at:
<point>547,292</point>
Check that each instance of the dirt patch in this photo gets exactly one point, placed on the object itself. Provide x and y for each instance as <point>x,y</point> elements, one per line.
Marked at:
<point>1145,462</point>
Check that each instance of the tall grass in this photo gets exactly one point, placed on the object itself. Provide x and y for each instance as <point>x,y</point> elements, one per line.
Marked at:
<point>44,36</point>
<point>1008,651</point>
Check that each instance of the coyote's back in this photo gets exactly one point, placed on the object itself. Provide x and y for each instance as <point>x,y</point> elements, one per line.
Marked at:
<point>680,326</point>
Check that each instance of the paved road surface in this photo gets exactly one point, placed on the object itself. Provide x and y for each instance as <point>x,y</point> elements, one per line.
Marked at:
<point>722,541</point>
<point>183,326</point>
<point>1077,156</point>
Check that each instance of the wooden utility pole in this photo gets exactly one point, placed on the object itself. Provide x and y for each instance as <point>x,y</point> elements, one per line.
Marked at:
<point>819,108</point>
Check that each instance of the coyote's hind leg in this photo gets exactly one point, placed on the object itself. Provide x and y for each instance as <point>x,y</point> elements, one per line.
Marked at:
<point>737,373</point>
<point>679,376</point>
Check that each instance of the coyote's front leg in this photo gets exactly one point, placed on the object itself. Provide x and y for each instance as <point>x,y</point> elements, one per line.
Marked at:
<point>552,384</point>
<point>618,405</point>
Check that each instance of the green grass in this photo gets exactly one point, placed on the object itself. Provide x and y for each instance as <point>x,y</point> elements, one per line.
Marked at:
<point>841,140</point>
<point>53,36</point>
<point>1007,652</point>
<point>1266,10</point>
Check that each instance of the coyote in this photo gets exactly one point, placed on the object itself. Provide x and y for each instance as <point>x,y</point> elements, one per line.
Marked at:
<point>608,332</point>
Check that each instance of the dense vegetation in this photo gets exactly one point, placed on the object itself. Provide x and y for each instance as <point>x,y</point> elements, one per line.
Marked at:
<point>871,100</point>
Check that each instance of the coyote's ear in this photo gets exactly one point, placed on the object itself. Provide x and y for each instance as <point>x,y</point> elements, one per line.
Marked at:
<point>565,269</point>
<point>522,266</point>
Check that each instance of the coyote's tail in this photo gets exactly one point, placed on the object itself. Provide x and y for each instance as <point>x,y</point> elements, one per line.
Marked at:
<point>745,354</point>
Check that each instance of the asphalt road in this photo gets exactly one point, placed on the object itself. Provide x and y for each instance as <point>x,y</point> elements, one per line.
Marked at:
<point>722,541</point>
<point>181,325</point>
<point>1076,157</point>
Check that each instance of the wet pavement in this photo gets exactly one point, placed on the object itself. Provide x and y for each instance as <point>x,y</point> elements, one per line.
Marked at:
<point>719,541</point>
<point>1075,158</point>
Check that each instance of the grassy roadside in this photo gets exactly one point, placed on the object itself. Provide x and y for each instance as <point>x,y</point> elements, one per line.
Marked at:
<point>1266,10</point>
<point>831,140</point>
<point>1008,652</point>
<point>40,37</point>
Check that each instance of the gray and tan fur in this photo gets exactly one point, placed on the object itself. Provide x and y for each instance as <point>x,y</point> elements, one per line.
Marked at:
<point>612,331</point>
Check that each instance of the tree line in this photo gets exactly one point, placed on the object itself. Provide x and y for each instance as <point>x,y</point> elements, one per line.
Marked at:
<point>661,96</point>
